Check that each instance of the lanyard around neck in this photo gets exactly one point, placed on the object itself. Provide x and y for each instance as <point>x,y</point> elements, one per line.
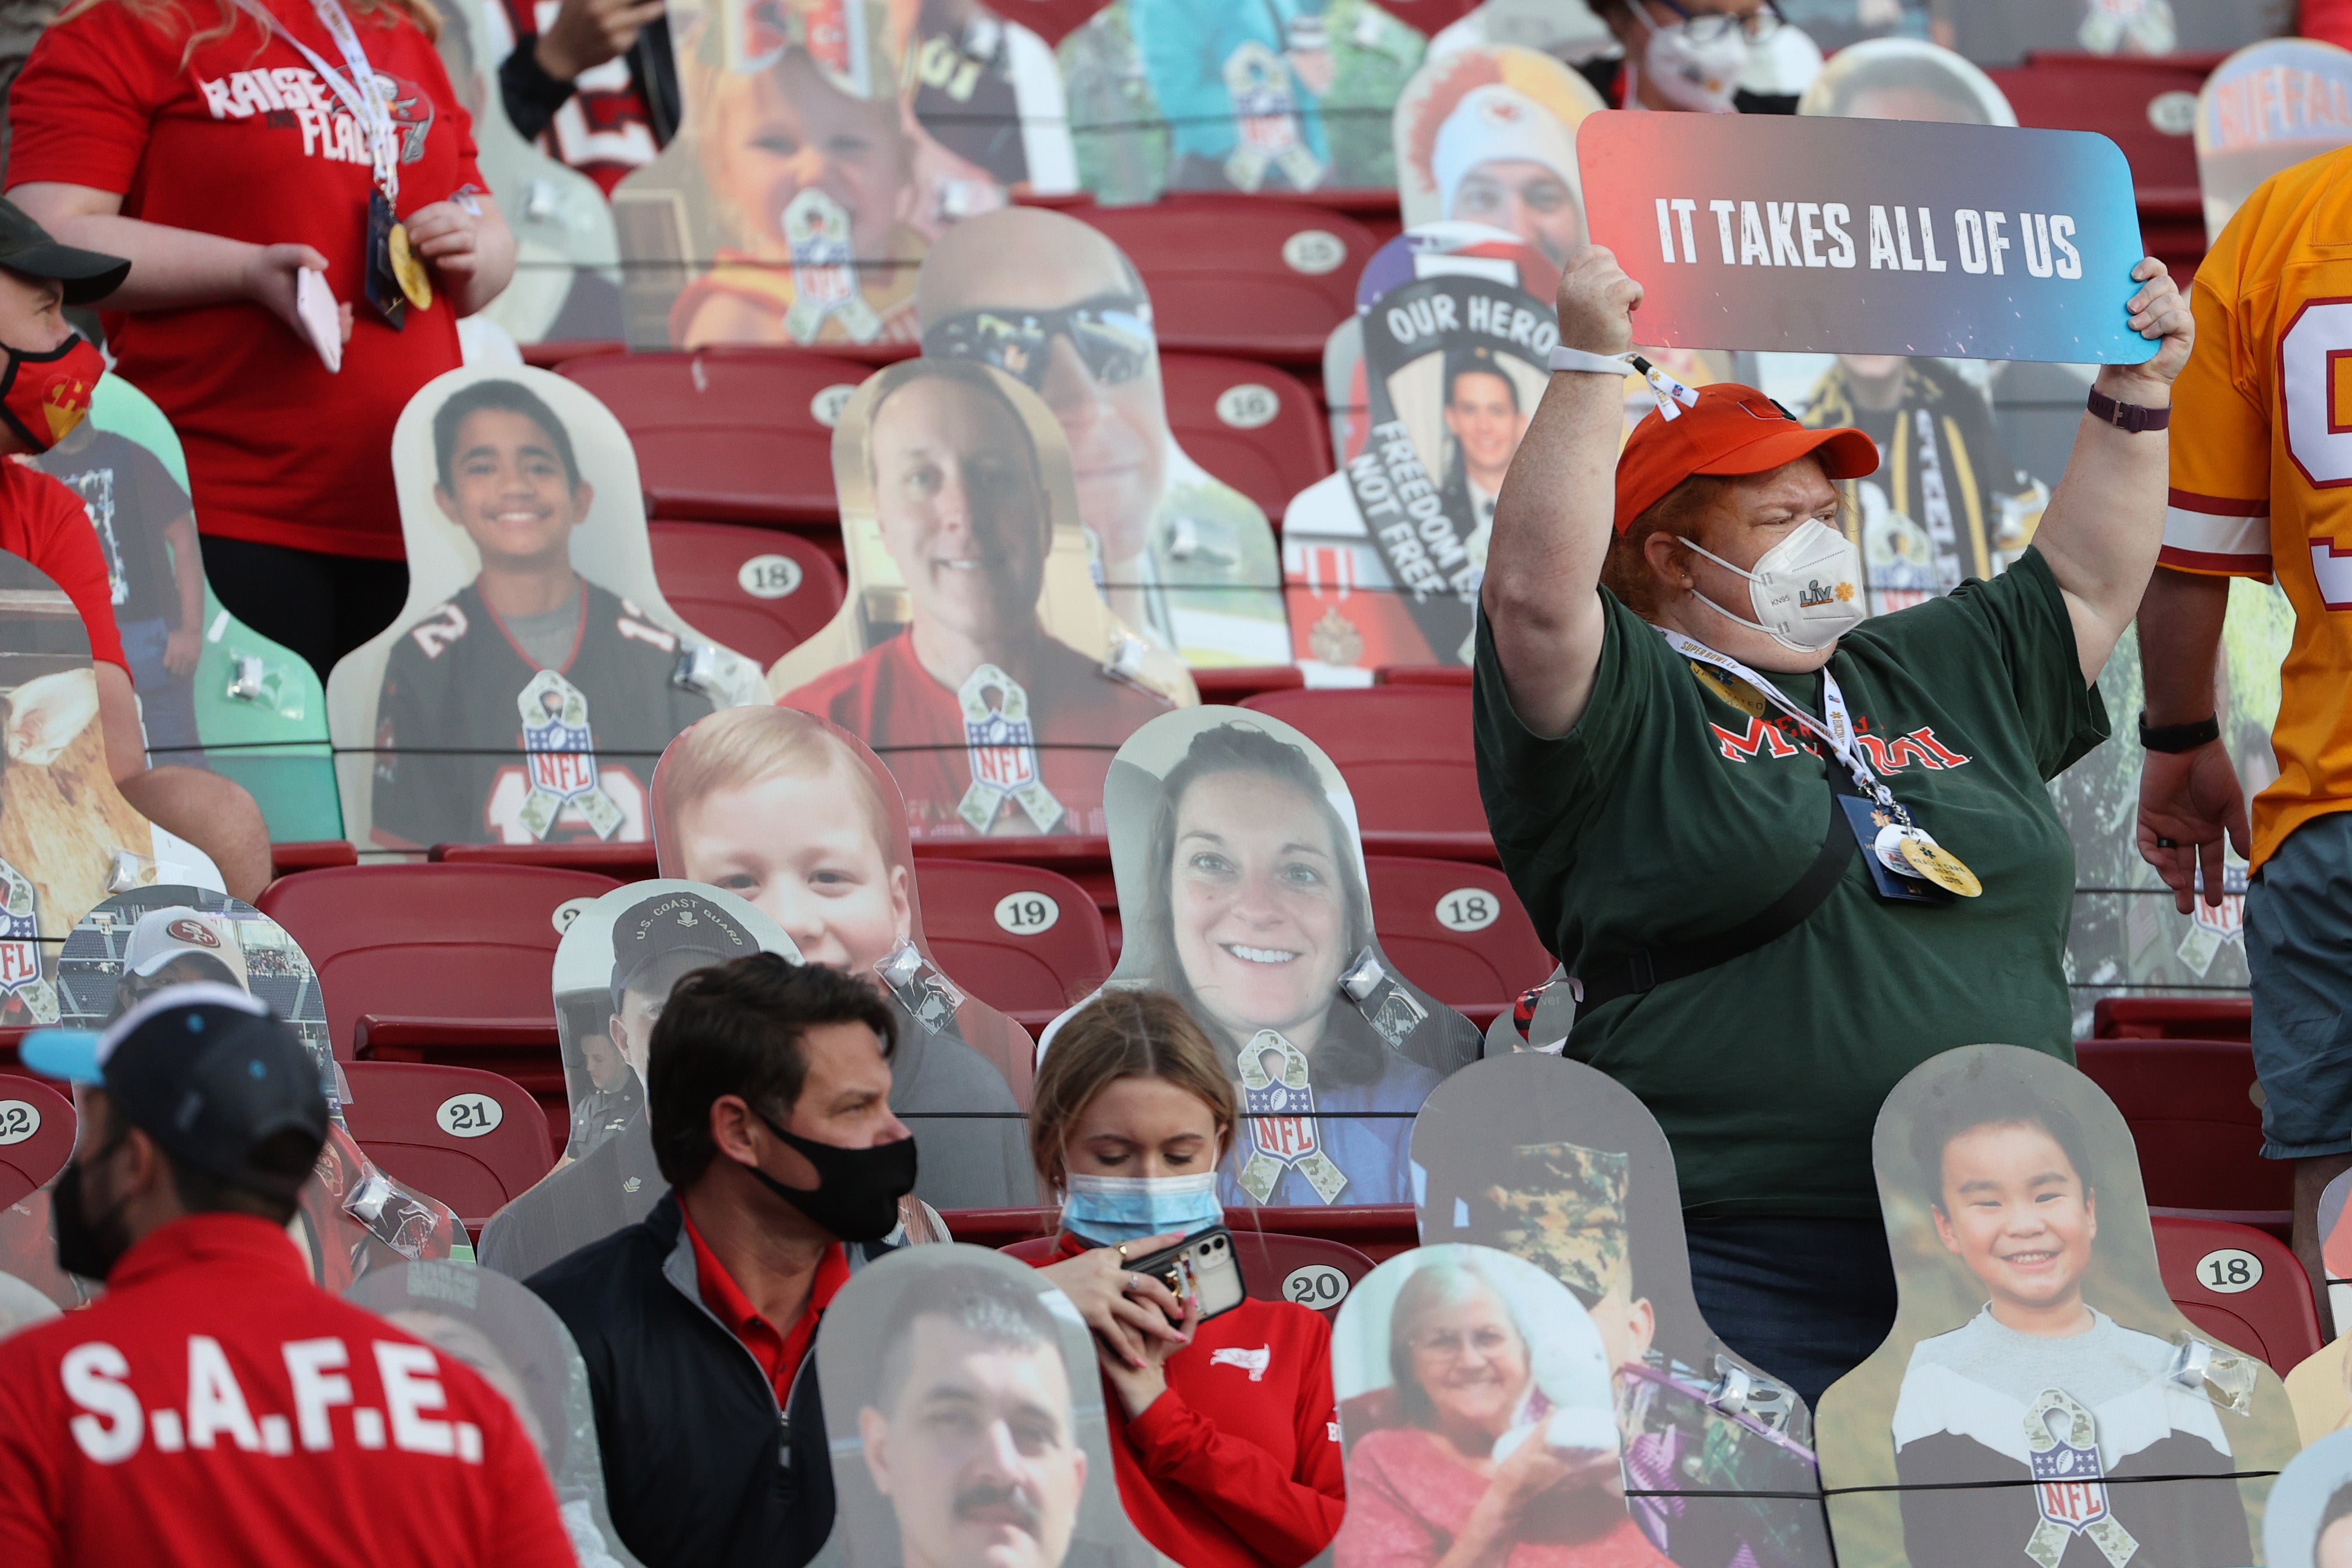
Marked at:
<point>354,85</point>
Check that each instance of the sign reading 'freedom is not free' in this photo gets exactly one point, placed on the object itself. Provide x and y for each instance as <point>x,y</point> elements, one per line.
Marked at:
<point>1868,236</point>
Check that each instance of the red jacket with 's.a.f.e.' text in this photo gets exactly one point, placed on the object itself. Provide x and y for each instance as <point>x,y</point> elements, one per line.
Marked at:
<point>215,1407</point>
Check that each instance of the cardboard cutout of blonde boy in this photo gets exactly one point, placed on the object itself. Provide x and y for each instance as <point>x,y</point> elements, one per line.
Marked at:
<point>796,200</point>
<point>961,1390</point>
<point>2040,1400</point>
<point>527,689</point>
<point>2266,107</point>
<point>1556,1163</point>
<point>1187,561</point>
<point>1476,1404</point>
<point>801,821</point>
<point>1242,891</point>
<point>973,653</point>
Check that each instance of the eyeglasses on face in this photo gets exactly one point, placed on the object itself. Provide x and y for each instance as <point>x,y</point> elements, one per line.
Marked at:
<point>1711,27</point>
<point>1111,333</point>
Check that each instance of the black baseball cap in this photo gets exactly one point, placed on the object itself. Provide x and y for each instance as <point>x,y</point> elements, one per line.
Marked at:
<point>89,276</point>
<point>671,923</point>
<point>206,1072</point>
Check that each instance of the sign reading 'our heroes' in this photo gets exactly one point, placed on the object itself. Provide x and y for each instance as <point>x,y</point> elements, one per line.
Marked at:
<point>1868,237</point>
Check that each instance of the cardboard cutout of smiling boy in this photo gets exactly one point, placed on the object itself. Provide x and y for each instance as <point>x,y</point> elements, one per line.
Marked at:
<point>1242,891</point>
<point>528,687</point>
<point>2040,1400</point>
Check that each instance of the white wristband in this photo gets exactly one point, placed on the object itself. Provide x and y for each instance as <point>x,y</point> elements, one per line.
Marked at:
<point>1566,358</point>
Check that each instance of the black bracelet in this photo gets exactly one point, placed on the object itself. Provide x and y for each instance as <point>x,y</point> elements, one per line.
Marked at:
<point>2178,737</point>
<point>2129,417</point>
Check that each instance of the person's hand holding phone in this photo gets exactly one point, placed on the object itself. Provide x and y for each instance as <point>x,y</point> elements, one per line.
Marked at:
<point>1127,1310</point>
<point>273,279</point>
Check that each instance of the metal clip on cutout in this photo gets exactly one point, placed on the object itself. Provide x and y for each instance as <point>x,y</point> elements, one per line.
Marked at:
<point>697,670</point>
<point>245,685</point>
<point>929,997</point>
<point>2223,1378</point>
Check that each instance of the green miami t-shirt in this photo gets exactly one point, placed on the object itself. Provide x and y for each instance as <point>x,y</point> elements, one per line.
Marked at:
<point>1667,816</point>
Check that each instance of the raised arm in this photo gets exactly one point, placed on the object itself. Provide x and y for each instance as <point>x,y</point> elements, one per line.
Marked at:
<point>2104,527</point>
<point>1552,518</point>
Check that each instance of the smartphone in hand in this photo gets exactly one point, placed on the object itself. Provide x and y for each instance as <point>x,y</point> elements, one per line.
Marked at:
<point>314,304</point>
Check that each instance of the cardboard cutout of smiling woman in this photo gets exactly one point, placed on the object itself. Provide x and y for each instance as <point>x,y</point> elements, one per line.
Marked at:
<point>528,685</point>
<point>1242,891</point>
<point>1186,560</point>
<point>2040,1400</point>
<point>1474,1403</point>
<point>974,652</point>
<point>796,817</point>
<point>1557,1163</point>
<point>2308,1523</point>
<point>964,1413</point>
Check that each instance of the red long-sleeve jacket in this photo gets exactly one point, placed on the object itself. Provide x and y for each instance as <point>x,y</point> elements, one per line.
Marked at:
<point>1199,1489</point>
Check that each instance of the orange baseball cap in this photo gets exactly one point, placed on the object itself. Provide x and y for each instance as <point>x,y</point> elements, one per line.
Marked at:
<point>1735,429</point>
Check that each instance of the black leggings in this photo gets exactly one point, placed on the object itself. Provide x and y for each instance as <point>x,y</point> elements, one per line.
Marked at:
<point>320,606</point>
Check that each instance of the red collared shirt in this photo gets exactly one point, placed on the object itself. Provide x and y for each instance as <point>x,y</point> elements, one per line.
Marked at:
<point>215,1407</point>
<point>779,1354</point>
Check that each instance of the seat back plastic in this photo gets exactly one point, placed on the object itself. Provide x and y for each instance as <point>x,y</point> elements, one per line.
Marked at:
<point>1404,751</point>
<point>36,1136</point>
<point>2111,94</point>
<point>1255,427</point>
<point>1025,940</point>
<point>759,591</point>
<point>472,1139</point>
<point>1247,276</point>
<point>2199,1133</point>
<point>2241,1285</point>
<point>1456,930</point>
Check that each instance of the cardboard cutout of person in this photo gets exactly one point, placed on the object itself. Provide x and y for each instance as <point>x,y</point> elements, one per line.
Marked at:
<point>2270,106</point>
<point>1565,29</point>
<point>2040,1395</point>
<point>824,146</point>
<point>797,818</point>
<point>522,1348</point>
<point>528,685</point>
<point>22,1305</point>
<point>1475,1406</point>
<point>1242,891</point>
<point>974,652</point>
<point>566,282</point>
<point>1187,561</point>
<point>1555,1162</point>
<point>2309,1517</point>
<point>354,1217</point>
<point>1382,561</point>
<point>1488,136</point>
<point>1268,96</point>
<point>965,1418</point>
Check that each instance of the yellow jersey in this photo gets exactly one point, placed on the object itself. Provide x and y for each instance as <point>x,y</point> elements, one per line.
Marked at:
<point>2261,461</point>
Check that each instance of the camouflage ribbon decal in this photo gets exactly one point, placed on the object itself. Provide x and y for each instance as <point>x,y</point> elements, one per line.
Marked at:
<point>1001,746</point>
<point>2061,1439</point>
<point>824,270</point>
<point>560,758</point>
<point>1279,1107</point>
<point>1266,121</point>
<point>20,948</point>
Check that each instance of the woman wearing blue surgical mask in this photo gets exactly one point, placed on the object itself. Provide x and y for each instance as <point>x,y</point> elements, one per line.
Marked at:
<point>1787,851</point>
<point>1225,1433</point>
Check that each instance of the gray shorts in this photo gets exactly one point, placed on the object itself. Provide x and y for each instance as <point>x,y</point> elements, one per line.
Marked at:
<point>2299,952</point>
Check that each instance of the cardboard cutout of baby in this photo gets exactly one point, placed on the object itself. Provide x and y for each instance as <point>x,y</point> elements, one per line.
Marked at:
<point>799,820</point>
<point>528,687</point>
<point>1185,560</point>
<point>521,1348</point>
<point>1475,1406</point>
<point>1555,1162</point>
<point>963,1410</point>
<point>974,652</point>
<point>1256,96</point>
<point>1488,136</point>
<point>824,146</point>
<point>2269,107</point>
<point>1242,891</point>
<point>213,692</point>
<point>353,1218</point>
<point>2040,1397</point>
<point>567,258</point>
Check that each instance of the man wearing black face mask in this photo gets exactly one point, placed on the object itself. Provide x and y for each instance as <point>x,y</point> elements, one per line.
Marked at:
<point>768,1097</point>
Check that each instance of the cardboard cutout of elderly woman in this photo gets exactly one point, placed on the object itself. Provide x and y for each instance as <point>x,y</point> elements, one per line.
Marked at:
<point>1186,560</point>
<point>1555,1162</point>
<point>974,652</point>
<point>797,818</point>
<point>522,1348</point>
<point>1242,891</point>
<point>1474,1403</point>
<point>2040,1396</point>
<point>526,690</point>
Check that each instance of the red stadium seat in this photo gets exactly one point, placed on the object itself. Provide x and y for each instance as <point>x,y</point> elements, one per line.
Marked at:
<point>727,434</point>
<point>2240,1285</point>
<point>2110,94</point>
<point>1405,753</point>
<point>36,1136</point>
<point>2200,1135</point>
<point>1480,963</point>
<point>1033,974</point>
<point>2173,1019</point>
<point>1255,427</point>
<point>395,1112</point>
<point>1275,1268</point>
<point>759,591</point>
<point>1250,276</point>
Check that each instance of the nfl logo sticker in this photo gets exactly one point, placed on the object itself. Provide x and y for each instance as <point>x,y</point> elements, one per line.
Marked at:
<point>825,277</point>
<point>1001,747</point>
<point>1278,1106</point>
<point>20,950</point>
<point>560,758</point>
<point>2061,1439</point>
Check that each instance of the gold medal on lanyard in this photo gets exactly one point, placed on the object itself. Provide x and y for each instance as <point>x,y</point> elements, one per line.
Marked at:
<point>1910,850</point>
<point>1732,689</point>
<point>408,269</point>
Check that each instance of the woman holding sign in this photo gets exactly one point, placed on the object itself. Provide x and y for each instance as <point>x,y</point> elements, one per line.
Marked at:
<point>1787,855</point>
